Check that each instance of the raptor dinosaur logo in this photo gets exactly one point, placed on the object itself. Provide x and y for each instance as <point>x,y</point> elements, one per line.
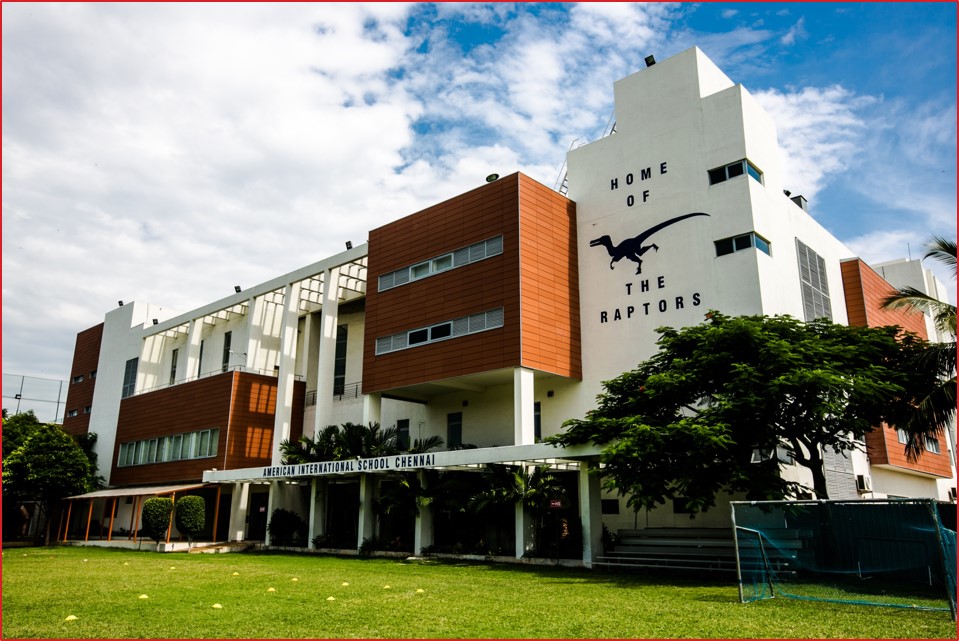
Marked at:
<point>633,248</point>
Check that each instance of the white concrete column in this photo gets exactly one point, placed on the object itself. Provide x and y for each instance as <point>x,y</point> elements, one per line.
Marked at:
<point>524,427</point>
<point>590,512</point>
<point>327,357</point>
<point>191,368</point>
<point>311,528</point>
<point>524,540</point>
<point>254,331</point>
<point>364,528</point>
<point>283,420</point>
<point>239,509</point>
<point>372,408</point>
<point>423,528</point>
<point>273,500</point>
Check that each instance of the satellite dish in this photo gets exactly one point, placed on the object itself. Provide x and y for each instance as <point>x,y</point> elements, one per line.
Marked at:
<point>492,177</point>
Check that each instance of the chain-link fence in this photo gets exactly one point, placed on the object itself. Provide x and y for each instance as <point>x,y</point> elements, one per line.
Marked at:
<point>899,553</point>
<point>47,397</point>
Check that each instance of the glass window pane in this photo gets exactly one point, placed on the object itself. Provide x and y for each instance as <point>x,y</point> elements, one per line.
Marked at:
<point>717,175</point>
<point>441,331</point>
<point>735,169</point>
<point>762,245</point>
<point>421,270</point>
<point>724,246</point>
<point>755,173</point>
<point>214,441</point>
<point>743,242</point>
<point>419,336</point>
<point>442,263</point>
<point>175,448</point>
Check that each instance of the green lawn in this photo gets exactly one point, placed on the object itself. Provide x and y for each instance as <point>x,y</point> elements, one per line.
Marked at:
<point>325,597</point>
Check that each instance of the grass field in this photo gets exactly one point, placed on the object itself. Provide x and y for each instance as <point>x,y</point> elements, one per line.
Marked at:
<point>124,594</point>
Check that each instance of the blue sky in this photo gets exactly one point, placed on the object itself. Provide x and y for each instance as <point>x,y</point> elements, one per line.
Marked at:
<point>165,152</point>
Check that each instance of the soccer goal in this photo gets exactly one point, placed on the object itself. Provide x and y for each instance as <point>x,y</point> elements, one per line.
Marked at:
<point>888,552</point>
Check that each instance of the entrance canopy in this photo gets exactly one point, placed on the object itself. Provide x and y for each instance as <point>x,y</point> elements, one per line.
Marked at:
<point>155,490</point>
<point>538,454</point>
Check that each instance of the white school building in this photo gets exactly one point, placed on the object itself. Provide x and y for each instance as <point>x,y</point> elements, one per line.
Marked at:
<point>486,320</point>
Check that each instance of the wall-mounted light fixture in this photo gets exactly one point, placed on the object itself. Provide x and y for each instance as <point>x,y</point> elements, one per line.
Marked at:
<point>349,244</point>
<point>120,303</point>
<point>492,178</point>
<point>237,289</point>
<point>649,60</point>
<point>156,321</point>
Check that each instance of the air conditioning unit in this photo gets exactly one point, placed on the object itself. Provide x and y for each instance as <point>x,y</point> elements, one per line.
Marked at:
<point>863,483</point>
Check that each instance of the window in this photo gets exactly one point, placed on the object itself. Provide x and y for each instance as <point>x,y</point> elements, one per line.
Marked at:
<point>129,378</point>
<point>815,289</point>
<point>454,429</point>
<point>72,413</point>
<point>463,256</point>
<point>932,444</point>
<point>78,378</point>
<point>93,374</point>
<point>87,409</point>
<point>174,356</point>
<point>227,343</point>
<point>537,421</point>
<point>441,331</point>
<point>903,435</point>
<point>339,360</point>
<point>732,170</point>
<point>610,506</point>
<point>199,361</point>
<point>403,434</point>
<point>739,243</point>
<point>174,447</point>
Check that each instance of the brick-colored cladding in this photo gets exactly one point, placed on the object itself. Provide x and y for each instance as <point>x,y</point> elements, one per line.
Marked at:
<point>865,290</point>
<point>541,322</point>
<point>86,355</point>
<point>241,405</point>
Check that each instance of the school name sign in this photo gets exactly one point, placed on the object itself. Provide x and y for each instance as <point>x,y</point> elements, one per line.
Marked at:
<point>375,464</point>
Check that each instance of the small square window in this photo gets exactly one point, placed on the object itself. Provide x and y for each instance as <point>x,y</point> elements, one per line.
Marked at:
<point>724,246</point>
<point>442,263</point>
<point>763,246</point>
<point>902,435</point>
<point>441,331</point>
<point>717,175</point>
<point>78,379</point>
<point>735,169</point>
<point>420,271</point>
<point>419,336</point>
<point>932,445</point>
<point>755,173</point>
<point>743,242</point>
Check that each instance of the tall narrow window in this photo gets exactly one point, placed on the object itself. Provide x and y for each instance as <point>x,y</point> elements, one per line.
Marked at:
<point>815,289</point>
<point>339,360</point>
<point>199,361</point>
<point>403,434</point>
<point>129,378</point>
<point>227,344</point>
<point>537,421</point>
<point>174,356</point>
<point>454,429</point>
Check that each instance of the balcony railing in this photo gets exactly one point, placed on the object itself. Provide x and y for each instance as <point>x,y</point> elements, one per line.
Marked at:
<point>340,392</point>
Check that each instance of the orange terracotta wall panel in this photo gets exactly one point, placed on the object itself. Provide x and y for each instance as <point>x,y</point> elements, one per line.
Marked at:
<point>241,405</point>
<point>549,281</point>
<point>883,448</point>
<point>865,290</point>
<point>86,355</point>
<point>481,214</point>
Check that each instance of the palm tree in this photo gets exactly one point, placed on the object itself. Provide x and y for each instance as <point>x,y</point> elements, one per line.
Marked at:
<point>936,411</point>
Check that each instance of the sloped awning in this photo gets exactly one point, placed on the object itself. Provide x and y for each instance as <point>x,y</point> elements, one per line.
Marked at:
<point>154,490</point>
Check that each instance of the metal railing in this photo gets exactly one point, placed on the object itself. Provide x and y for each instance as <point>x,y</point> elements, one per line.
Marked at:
<point>340,392</point>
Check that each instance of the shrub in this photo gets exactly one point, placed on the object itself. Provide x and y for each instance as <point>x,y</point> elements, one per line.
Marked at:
<point>156,517</point>
<point>286,528</point>
<point>190,515</point>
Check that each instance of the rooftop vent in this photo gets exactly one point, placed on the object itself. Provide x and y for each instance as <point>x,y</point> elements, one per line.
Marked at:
<point>650,60</point>
<point>800,202</point>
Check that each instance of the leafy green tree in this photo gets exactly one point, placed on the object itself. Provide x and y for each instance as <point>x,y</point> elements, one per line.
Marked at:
<point>686,424</point>
<point>935,411</point>
<point>190,515</point>
<point>17,429</point>
<point>156,517</point>
<point>46,467</point>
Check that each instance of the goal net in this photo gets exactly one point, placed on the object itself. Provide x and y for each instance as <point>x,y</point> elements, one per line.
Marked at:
<point>890,552</point>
